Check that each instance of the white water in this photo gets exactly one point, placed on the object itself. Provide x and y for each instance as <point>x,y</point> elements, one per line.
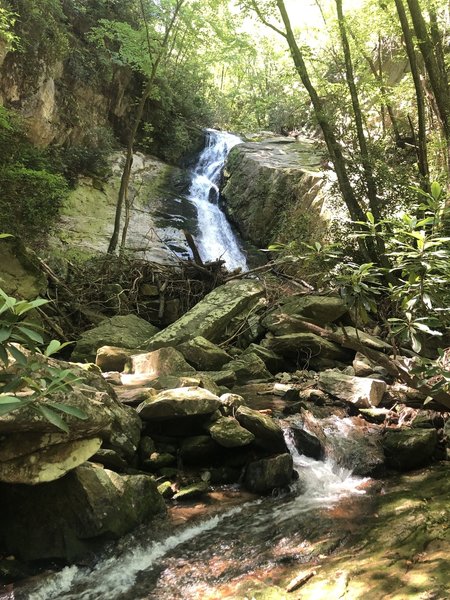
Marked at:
<point>216,239</point>
<point>321,484</point>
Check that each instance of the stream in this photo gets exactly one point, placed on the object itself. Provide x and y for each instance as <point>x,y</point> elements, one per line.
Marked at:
<point>211,555</point>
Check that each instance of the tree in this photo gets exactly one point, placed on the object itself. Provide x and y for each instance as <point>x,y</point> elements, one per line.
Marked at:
<point>158,47</point>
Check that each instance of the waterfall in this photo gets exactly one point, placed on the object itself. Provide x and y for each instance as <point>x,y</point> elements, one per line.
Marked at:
<point>216,238</point>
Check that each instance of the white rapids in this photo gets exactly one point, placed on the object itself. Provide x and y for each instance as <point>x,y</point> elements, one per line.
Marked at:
<point>321,484</point>
<point>216,239</point>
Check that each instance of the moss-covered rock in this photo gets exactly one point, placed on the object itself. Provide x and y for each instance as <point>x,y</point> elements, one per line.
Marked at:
<point>227,432</point>
<point>203,354</point>
<point>74,515</point>
<point>407,449</point>
<point>128,331</point>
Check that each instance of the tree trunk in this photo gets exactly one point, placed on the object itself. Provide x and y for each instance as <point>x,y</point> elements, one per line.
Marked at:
<point>420,98</point>
<point>126,174</point>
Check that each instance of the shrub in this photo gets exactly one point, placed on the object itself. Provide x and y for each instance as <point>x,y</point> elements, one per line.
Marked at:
<point>30,200</point>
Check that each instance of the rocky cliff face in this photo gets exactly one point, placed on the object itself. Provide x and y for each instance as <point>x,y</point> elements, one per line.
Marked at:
<point>269,181</point>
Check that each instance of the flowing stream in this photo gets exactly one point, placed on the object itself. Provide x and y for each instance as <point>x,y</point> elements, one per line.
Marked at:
<point>208,557</point>
<point>216,239</point>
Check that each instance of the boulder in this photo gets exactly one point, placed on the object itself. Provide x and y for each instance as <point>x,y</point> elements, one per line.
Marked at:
<point>305,346</point>
<point>288,317</point>
<point>248,367</point>
<point>112,358</point>
<point>230,403</point>
<point>262,476</point>
<point>117,425</point>
<point>49,462</point>
<point>127,331</point>
<point>362,366</point>
<point>307,444</point>
<point>220,378</point>
<point>367,339</point>
<point>158,460</point>
<point>203,354</point>
<point>179,402</point>
<point>407,449</point>
<point>211,316</point>
<point>268,179</point>
<point>227,432</point>
<point>68,518</point>
<point>268,434</point>
<point>274,362</point>
<point>165,361</point>
<point>363,392</point>
<point>110,459</point>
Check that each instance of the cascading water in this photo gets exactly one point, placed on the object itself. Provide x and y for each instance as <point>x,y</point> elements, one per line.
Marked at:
<point>216,238</point>
<point>197,561</point>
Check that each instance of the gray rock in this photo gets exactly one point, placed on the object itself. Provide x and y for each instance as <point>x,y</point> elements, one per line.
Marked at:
<point>68,518</point>
<point>112,358</point>
<point>20,275</point>
<point>179,402</point>
<point>303,346</point>
<point>248,367</point>
<point>362,366</point>
<point>363,392</point>
<point>48,463</point>
<point>227,432</point>
<point>268,434</point>
<point>274,362</point>
<point>159,363</point>
<point>203,354</point>
<point>265,179</point>
<point>127,331</point>
<point>211,317</point>
<point>110,460</point>
<point>307,444</point>
<point>262,476</point>
<point>288,317</point>
<point>407,449</point>
<point>117,425</point>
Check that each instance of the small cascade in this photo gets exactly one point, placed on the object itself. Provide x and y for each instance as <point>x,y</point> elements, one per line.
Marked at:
<point>216,238</point>
<point>187,563</point>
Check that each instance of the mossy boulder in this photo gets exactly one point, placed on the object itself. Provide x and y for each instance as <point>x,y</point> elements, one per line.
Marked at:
<point>228,432</point>
<point>127,331</point>
<point>20,275</point>
<point>203,354</point>
<point>68,518</point>
<point>268,434</point>
<point>179,403</point>
<point>319,309</point>
<point>262,476</point>
<point>248,367</point>
<point>212,316</point>
<point>407,449</point>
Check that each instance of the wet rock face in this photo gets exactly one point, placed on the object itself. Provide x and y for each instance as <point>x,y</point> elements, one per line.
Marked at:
<point>268,434</point>
<point>262,476</point>
<point>267,178</point>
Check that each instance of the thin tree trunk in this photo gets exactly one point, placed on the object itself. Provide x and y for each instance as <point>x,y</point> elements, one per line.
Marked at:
<point>438,79</point>
<point>126,173</point>
<point>362,143</point>
<point>420,97</point>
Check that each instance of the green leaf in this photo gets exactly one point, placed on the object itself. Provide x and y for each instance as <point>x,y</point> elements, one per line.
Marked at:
<point>5,333</point>
<point>18,355</point>
<point>8,404</point>
<point>416,344</point>
<point>52,417</point>
<point>4,356</point>
<point>5,235</point>
<point>436,190</point>
<point>30,333</point>
<point>70,410</point>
